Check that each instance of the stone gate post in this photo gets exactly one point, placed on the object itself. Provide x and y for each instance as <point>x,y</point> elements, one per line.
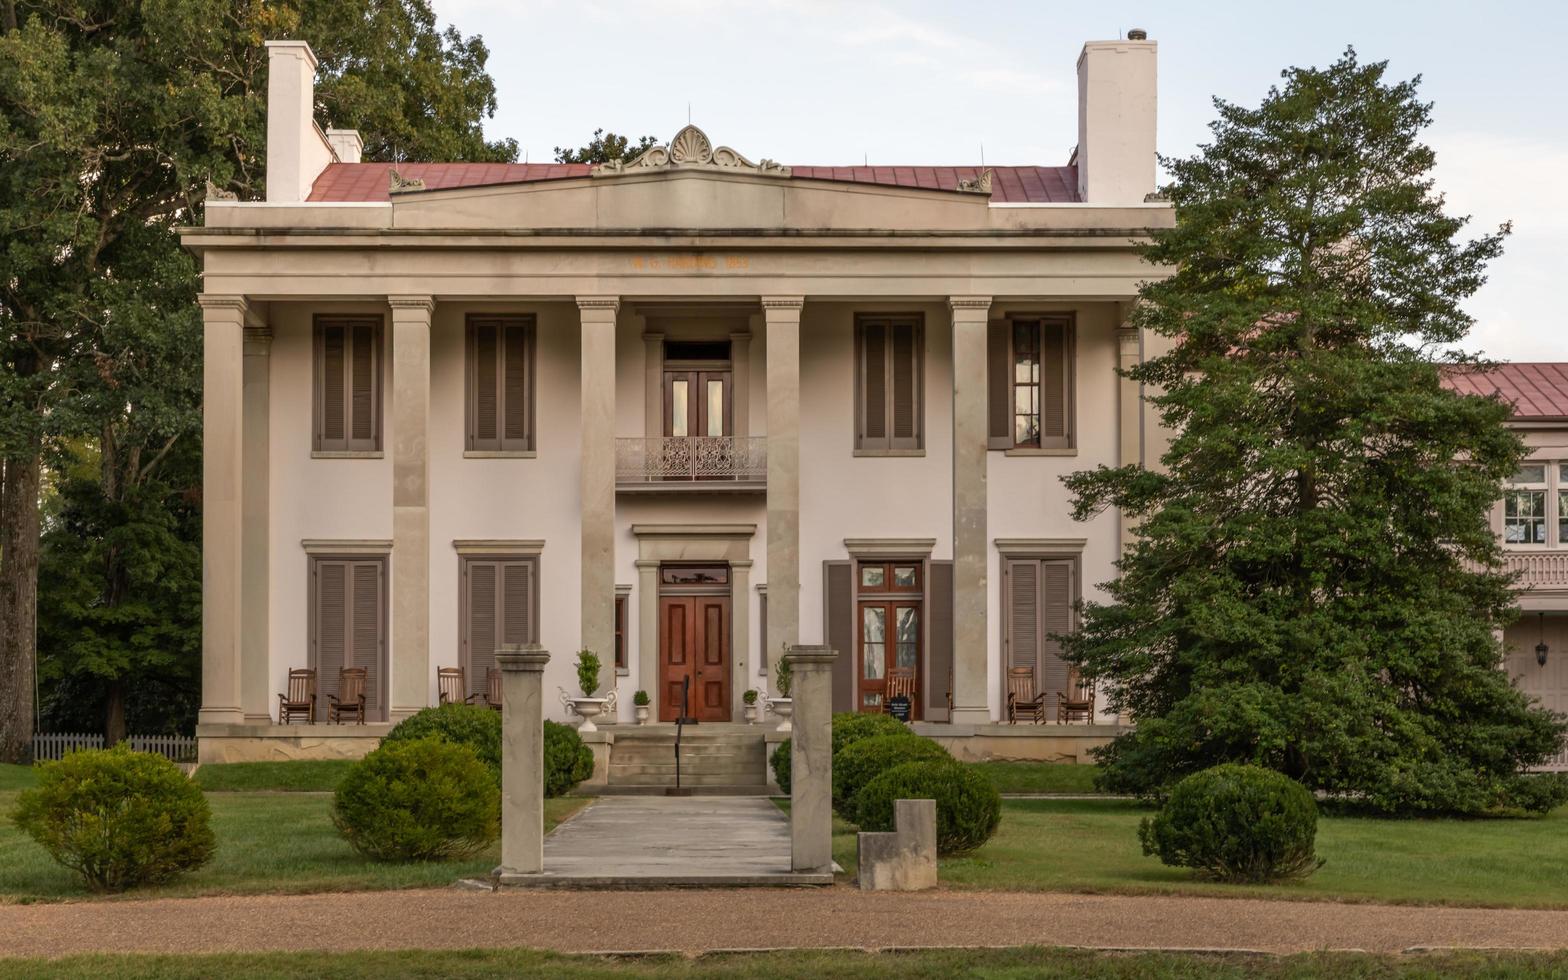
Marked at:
<point>522,759</point>
<point>811,758</point>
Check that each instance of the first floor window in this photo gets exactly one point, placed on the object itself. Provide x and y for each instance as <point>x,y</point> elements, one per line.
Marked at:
<point>1524,506</point>
<point>348,615</point>
<point>1037,606</point>
<point>500,608</point>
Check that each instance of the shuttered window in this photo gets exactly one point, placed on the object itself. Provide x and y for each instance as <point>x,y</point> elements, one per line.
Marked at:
<point>1030,382</point>
<point>500,384</point>
<point>620,632</point>
<point>939,688</point>
<point>500,607</point>
<point>347,397</point>
<point>762,632</point>
<point>889,362</point>
<point>1038,598</point>
<point>348,625</point>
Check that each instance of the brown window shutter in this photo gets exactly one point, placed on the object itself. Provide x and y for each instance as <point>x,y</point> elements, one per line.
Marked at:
<point>517,602</point>
<point>486,397</point>
<point>999,384</point>
<point>839,629</point>
<point>1023,618</point>
<point>620,632</point>
<point>517,432</point>
<point>331,613</point>
<point>873,386</point>
<point>1056,608</point>
<point>479,637</point>
<point>762,622</point>
<point>906,390</point>
<point>330,398</point>
<point>939,669</point>
<point>1055,384</point>
<point>367,607</point>
<point>362,381</point>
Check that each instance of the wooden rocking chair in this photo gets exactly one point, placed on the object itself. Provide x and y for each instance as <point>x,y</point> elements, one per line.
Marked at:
<point>493,688</point>
<point>900,683</point>
<point>300,701</point>
<point>1022,701</point>
<point>350,699</point>
<point>1077,702</point>
<point>452,686</point>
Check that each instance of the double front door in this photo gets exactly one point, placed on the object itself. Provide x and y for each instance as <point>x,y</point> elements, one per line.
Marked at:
<point>694,657</point>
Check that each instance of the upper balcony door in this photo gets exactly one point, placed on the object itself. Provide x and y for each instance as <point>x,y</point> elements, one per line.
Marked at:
<point>697,400</point>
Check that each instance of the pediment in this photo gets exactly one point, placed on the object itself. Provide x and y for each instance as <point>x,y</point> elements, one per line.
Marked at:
<point>690,149</point>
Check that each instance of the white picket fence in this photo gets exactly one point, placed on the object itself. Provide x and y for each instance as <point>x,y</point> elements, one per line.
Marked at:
<point>54,745</point>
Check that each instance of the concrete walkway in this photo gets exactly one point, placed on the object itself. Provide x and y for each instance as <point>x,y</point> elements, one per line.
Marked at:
<point>672,841</point>
<point>699,920</point>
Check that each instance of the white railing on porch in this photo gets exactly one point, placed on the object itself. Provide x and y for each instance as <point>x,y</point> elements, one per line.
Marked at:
<point>739,460</point>
<point>1539,569</point>
<point>54,745</point>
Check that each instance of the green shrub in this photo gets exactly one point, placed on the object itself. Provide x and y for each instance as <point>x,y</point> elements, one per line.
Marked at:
<point>783,678</point>
<point>780,761</point>
<point>567,761</point>
<point>588,672</point>
<point>118,818</point>
<point>423,799</point>
<point>852,726</point>
<point>477,727</point>
<point>860,762</point>
<point>968,807</point>
<point>1236,823</point>
<point>641,699</point>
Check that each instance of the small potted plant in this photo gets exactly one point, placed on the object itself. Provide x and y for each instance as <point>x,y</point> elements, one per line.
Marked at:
<point>780,704</point>
<point>750,698</point>
<point>588,707</point>
<point>640,706</point>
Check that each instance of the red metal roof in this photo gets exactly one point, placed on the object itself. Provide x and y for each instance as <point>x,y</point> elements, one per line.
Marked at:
<point>1536,390</point>
<point>346,182</point>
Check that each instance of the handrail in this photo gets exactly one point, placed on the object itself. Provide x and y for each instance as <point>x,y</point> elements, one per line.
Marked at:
<point>686,459</point>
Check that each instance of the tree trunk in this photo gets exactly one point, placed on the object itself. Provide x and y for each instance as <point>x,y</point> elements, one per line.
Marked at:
<point>18,603</point>
<point>114,715</point>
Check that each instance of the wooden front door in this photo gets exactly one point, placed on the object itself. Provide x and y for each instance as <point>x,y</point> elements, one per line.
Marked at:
<point>694,645</point>
<point>888,631</point>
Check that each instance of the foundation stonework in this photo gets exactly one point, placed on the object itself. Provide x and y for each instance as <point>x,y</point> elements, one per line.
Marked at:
<point>904,859</point>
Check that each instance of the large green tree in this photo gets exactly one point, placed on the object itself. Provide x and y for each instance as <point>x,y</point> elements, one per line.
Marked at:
<point>113,116</point>
<point>605,147</point>
<point>1314,585</point>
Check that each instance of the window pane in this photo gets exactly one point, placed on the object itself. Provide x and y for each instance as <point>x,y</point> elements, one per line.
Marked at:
<point>872,576</point>
<point>873,632</point>
<point>1562,518</point>
<point>908,622</point>
<point>1531,473</point>
<point>1562,473</point>
<point>678,409</point>
<point>904,576</point>
<point>1524,517</point>
<point>715,408</point>
<point>1026,430</point>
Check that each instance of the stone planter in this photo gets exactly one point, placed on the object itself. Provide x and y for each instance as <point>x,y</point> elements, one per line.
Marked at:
<point>783,708</point>
<point>588,709</point>
<point>751,714</point>
<point>641,712</point>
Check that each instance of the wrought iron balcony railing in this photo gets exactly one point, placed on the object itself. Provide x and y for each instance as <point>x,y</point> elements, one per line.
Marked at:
<point>692,462</point>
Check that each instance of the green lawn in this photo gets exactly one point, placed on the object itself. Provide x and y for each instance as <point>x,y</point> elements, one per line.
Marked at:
<point>994,964</point>
<point>1039,777</point>
<point>302,776</point>
<point>267,842</point>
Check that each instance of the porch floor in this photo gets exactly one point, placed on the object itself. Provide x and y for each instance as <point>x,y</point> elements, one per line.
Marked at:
<point>669,842</point>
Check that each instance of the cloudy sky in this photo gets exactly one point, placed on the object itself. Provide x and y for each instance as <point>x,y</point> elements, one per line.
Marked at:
<point>821,82</point>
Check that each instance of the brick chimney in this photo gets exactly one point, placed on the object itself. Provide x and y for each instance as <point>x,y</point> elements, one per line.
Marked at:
<point>1116,120</point>
<point>297,150</point>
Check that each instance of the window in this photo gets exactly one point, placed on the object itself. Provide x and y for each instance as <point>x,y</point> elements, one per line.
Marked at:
<point>1524,506</point>
<point>1037,594</point>
<point>500,607</point>
<point>347,397</point>
<point>348,626</point>
<point>1030,367</point>
<point>890,405</point>
<point>890,604</point>
<point>1562,503</point>
<point>500,384</point>
<point>620,632</point>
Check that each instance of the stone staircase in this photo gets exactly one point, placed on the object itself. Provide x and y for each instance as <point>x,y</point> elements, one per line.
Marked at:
<point>715,760</point>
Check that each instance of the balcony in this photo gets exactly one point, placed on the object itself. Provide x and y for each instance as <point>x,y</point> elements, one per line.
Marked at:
<point>1540,570</point>
<point>685,464</point>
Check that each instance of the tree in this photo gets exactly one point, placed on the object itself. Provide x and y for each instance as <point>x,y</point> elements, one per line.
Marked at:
<point>1314,586</point>
<point>112,118</point>
<point>605,147</point>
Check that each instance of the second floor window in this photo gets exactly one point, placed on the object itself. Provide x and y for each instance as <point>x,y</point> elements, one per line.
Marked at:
<point>347,385</point>
<point>1031,383</point>
<point>890,402</point>
<point>500,388</point>
<point>1534,501</point>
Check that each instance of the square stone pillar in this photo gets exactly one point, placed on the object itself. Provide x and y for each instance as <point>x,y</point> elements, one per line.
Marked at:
<point>255,537</point>
<point>970,546</point>
<point>811,757</point>
<point>522,759</point>
<point>410,687</point>
<point>223,438</point>
<point>782,319</point>
<point>1129,414</point>
<point>598,481</point>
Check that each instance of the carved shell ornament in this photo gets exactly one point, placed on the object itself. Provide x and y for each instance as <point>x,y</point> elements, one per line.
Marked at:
<point>690,150</point>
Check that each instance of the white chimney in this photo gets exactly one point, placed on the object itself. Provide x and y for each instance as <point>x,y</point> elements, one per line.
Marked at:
<point>1116,120</point>
<point>297,151</point>
<point>346,144</point>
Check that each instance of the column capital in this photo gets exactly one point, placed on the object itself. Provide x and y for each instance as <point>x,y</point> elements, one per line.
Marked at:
<point>802,655</point>
<point>425,303</point>
<point>586,303</point>
<point>783,302</point>
<point>956,303</point>
<point>223,301</point>
<point>258,340</point>
<point>1127,338</point>
<point>652,336</point>
<point>529,657</point>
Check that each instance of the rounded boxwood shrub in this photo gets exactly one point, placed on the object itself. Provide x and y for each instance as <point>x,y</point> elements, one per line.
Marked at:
<point>423,799</point>
<point>477,727</point>
<point>118,818</point>
<point>567,761</point>
<point>852,726</point>
<point>968,807</point>
<point>1236,823</point>
<point>860,762</point>
<point>781,761</point>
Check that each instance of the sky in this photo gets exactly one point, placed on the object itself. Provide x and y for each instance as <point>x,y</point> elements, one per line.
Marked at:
<point>825,83</point>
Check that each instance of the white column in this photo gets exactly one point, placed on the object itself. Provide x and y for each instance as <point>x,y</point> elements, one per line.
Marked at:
<point>970,547</point>
<point>522,759</point>
<point>598,480</point>
<point>255,544</point>
<point>782,316</point>
<point>223,381</point>
<point>410,504</point>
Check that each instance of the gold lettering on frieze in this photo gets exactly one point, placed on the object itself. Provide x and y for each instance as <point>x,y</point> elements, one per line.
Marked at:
<point>690,263</point>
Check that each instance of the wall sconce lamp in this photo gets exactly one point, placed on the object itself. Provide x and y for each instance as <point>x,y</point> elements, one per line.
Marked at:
<point>1541,649</point>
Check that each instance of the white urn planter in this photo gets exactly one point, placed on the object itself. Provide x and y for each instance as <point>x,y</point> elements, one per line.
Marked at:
<point>641,711</point>
<point>783,708</point>
<point>588,709</point>
<point>751,713</point>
